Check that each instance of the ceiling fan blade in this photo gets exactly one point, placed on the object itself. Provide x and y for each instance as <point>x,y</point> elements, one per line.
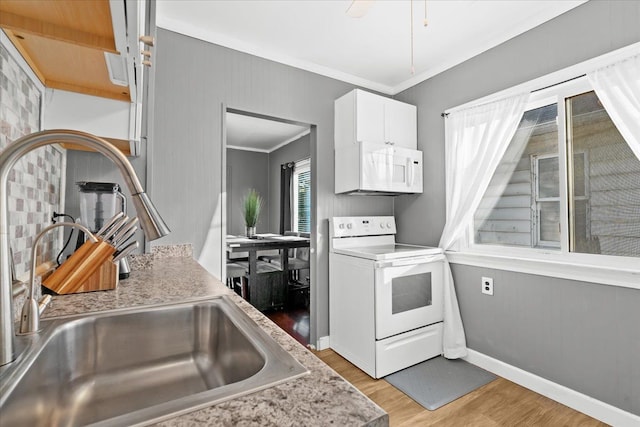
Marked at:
<point>359,8</point>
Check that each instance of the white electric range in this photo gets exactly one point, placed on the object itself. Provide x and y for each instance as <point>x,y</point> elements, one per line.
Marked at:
<point>385,298</point>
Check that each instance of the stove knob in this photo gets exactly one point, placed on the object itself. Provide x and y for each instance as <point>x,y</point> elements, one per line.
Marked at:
<point>349,226</point>
<point>381,225</point>
<point>341,226</point>
<point>388,225</point>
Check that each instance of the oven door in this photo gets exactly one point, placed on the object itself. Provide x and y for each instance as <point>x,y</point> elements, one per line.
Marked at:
<point>408,294</point>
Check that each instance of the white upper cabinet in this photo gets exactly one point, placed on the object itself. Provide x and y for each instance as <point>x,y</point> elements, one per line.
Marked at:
<point>369,117</point>
<point>401,124</point>
<point>365,117</point>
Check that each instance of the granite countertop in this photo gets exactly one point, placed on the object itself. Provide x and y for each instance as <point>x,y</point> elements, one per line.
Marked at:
<point>320,398</point>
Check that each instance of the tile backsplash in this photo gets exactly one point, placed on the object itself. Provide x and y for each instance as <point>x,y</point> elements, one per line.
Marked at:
<point>35,181</point>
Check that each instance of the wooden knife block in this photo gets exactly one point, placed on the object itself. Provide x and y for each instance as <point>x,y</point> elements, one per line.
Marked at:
<point>103,279</point>
<point>90,268</point>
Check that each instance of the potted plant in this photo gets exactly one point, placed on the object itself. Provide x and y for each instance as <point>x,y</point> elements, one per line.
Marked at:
<point>251,206</point>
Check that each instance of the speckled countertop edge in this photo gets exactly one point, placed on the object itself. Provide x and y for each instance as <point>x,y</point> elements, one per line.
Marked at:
<point>318,399</point>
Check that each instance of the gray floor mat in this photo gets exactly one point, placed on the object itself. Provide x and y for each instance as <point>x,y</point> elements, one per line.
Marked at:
<point>438,381</point>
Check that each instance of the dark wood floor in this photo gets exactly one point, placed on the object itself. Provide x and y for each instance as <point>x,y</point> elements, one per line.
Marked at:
<point>295,322</point>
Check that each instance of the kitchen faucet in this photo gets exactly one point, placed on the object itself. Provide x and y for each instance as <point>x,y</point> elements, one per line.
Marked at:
<point>32,309</point>
<point>150,220</point>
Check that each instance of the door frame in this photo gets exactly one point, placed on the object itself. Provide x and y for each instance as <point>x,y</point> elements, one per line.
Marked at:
<point>313,240</point>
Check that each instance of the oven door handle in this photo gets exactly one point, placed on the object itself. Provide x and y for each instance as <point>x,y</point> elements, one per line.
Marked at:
<point>408,261</point>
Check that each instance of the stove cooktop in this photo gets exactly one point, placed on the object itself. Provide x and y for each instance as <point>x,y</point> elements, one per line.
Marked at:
<point>388,251</point>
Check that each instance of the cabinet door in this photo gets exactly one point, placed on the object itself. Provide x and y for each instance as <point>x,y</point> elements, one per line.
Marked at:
<point>401,125</point>
<point>369,117</point>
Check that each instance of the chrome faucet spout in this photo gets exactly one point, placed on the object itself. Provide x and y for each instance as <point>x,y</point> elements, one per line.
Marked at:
<point>32,309</point>
<point>150,221</point>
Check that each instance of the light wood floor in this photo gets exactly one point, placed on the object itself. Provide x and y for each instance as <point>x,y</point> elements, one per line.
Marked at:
<point>499,403</point>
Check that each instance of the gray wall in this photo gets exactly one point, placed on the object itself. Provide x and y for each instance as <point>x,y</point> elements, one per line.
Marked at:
<point>292,152</point>
<point>245,170</point>
<point>583,336</point>
<point>88,166</point>
<point>194,81</point>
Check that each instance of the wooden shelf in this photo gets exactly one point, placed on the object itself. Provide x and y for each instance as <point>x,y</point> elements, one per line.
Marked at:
<point>64,42</point>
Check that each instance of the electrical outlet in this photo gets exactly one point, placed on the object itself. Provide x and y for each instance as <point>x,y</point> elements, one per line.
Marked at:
<point>487,285</point>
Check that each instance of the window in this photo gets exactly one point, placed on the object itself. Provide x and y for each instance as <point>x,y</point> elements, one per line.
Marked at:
<point>568,183</point>
<point>301,205</point>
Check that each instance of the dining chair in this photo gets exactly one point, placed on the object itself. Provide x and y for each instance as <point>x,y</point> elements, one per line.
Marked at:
<point>237,271</point>
<point>298,260</point>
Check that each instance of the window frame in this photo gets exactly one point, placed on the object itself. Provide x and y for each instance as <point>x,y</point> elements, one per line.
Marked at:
<point>536,232</point>
<point>299,167</point>
<point>551,262</point>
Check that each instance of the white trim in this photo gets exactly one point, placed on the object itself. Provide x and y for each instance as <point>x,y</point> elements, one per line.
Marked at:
<point>304,164</point>
<point>260,52</point>
<point>555,77</point>
<point>255,150</point>
<point>300,166</point>
<point>451,61</point>
<point>271,150</point>
<point>323,343</point>
<point>293,138</point>
<point>594,268</point>
<point>580,402</point>
<point>553,264</point>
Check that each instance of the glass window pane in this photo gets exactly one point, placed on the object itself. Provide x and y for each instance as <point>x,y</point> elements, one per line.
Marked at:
<point>302,197</point>
<point>579,177</point>
<point>549,178</point>
<point>304,202</point>
<point>549,222</point>
<point>606,182</point>
<point>508,212</point>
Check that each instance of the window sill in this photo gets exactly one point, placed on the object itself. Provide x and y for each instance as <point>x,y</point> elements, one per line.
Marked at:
<point>622,274</point>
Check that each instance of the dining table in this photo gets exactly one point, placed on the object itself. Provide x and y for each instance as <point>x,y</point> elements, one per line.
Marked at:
<point>267,284</point>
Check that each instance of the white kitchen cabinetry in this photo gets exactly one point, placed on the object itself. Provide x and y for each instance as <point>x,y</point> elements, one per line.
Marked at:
<point>365,117</point>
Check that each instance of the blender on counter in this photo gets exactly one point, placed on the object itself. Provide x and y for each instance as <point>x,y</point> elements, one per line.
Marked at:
<point>99,202</point>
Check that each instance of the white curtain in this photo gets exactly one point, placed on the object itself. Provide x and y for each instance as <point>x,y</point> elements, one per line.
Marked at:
<point>476,139</point>
<point>618,88</point>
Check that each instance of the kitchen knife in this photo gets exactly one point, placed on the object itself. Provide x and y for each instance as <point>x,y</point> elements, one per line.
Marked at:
<point>124,230</point>
<point>125,251</point>
<point>114,229</point>
<point>118,243</point>
<point>109,224</point>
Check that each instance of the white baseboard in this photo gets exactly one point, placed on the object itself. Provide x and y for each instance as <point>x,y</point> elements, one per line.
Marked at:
<point>580,402</point>
<point>323,343</point>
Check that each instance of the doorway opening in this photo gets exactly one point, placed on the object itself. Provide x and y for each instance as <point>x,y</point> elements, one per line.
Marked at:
<point>272,158</point>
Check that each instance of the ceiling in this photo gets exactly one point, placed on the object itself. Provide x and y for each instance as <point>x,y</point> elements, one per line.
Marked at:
<point>258,134</point>
<point>373,51</point>
<point>64,42</point>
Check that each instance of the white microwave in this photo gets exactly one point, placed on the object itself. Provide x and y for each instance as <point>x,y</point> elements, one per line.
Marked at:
<point>377,169</point>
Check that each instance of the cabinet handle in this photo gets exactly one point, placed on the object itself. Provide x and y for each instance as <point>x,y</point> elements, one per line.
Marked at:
<point>390,143</point>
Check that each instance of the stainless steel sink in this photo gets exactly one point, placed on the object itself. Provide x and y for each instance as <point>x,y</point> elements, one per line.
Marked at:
<point>139,366</point>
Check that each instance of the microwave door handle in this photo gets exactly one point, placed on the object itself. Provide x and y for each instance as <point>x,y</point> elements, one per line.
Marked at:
<point>410,172</point>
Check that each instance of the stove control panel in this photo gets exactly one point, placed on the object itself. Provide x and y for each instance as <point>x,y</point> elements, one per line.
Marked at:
<point>356,226</point>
